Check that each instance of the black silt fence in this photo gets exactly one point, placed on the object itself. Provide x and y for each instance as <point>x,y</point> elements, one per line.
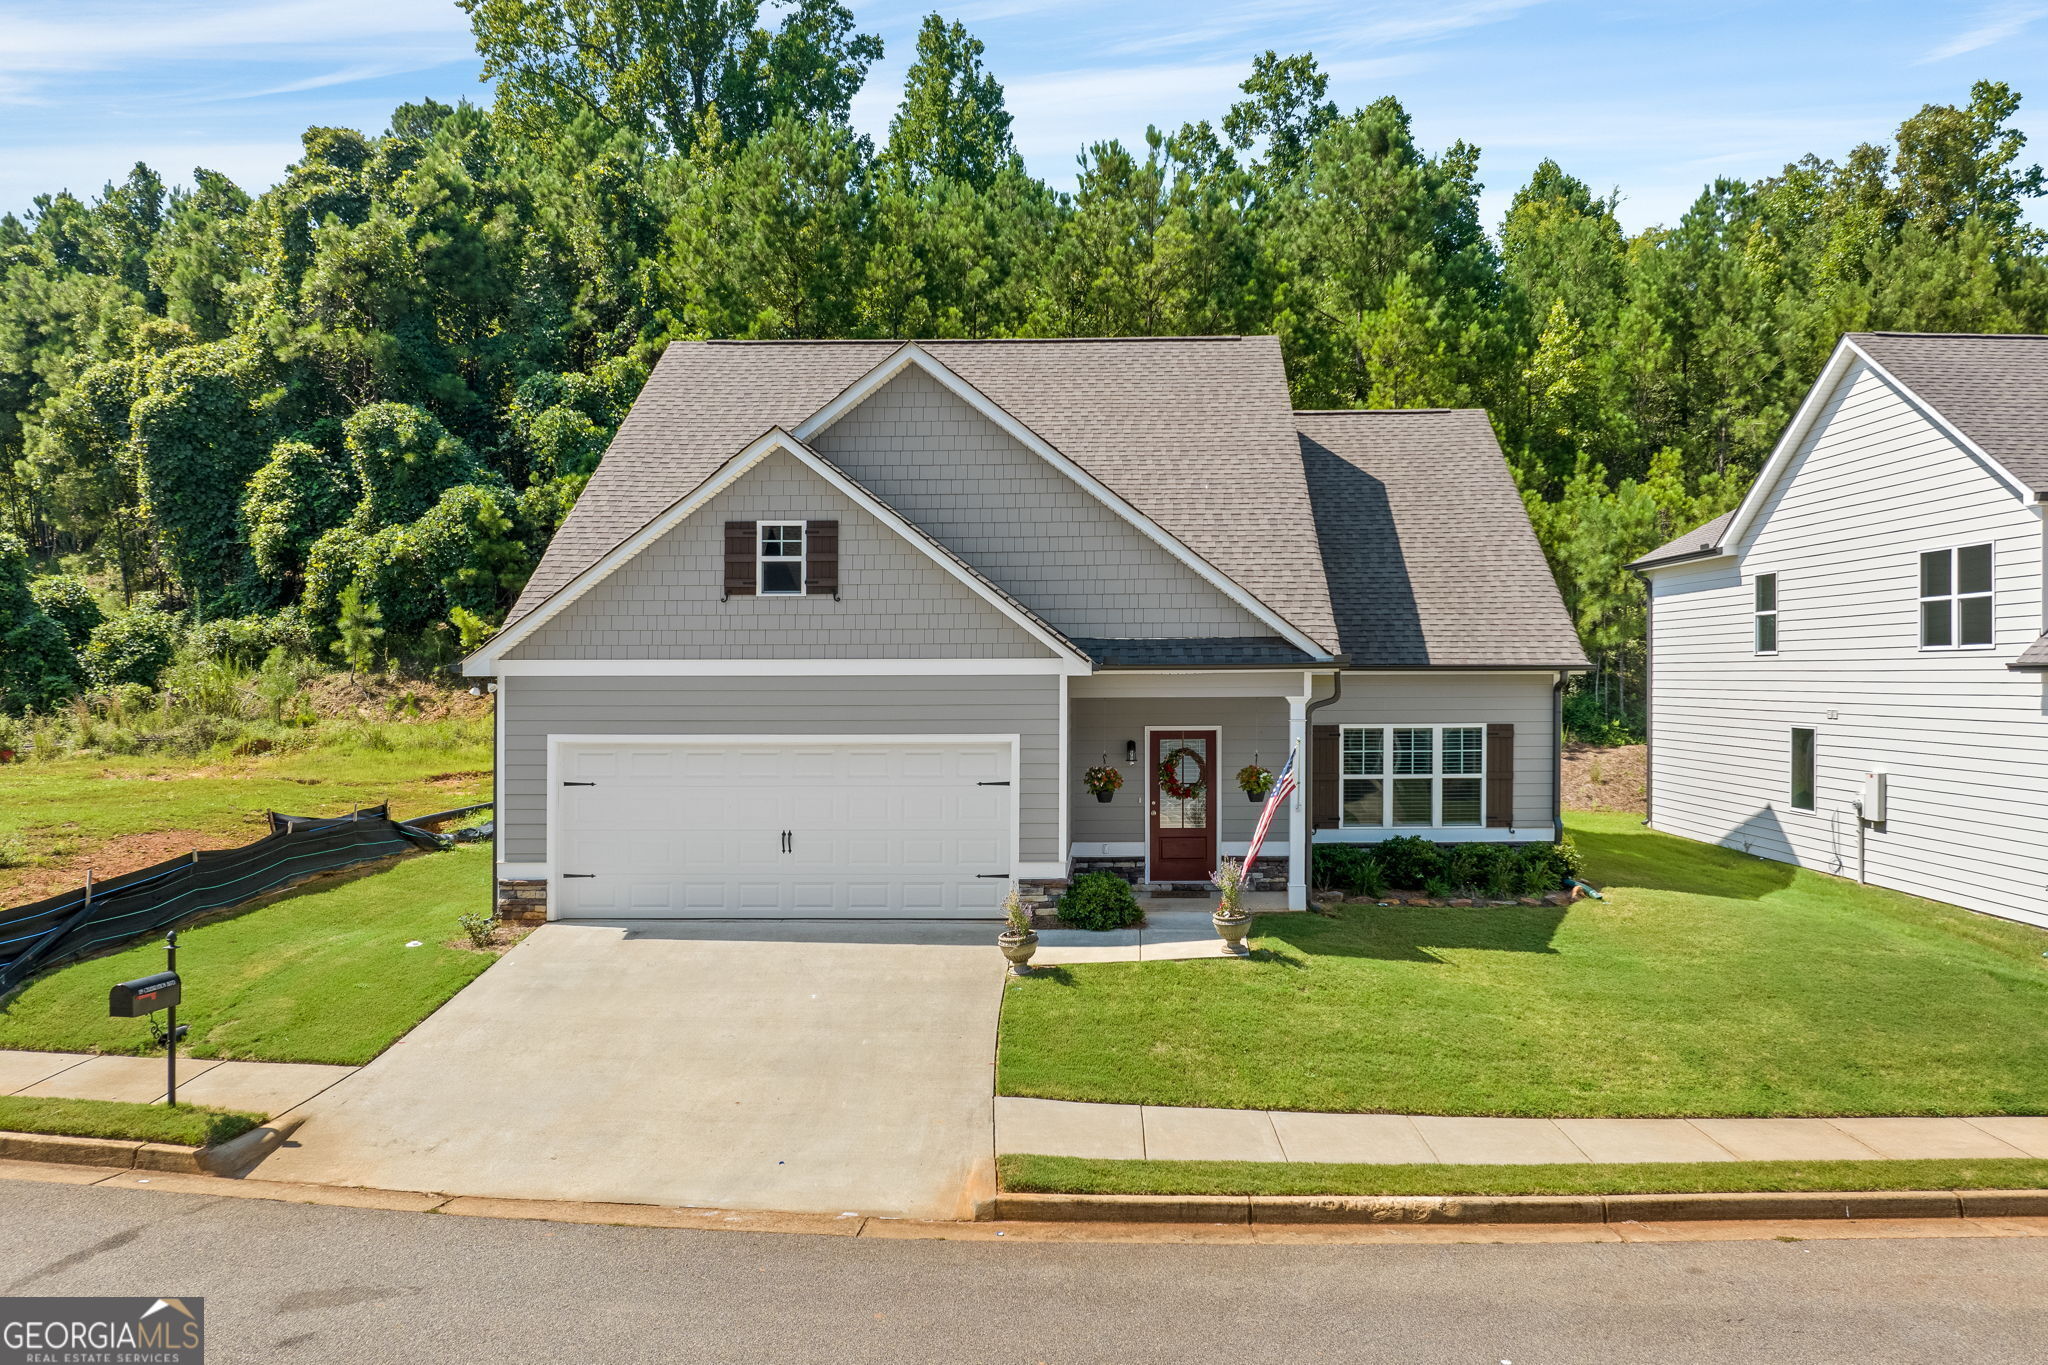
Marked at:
<point>77,924</point>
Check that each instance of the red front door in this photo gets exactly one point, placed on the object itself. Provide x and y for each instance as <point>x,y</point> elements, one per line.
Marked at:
<point>1182,783</point>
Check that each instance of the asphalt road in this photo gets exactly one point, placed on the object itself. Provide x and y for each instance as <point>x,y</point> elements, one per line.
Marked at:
<point>290,1283</point>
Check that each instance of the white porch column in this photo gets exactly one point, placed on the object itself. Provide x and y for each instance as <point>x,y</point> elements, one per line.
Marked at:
<point>1297,801</point>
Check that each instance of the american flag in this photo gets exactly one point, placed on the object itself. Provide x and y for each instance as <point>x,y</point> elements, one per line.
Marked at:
<point>1281,789</point>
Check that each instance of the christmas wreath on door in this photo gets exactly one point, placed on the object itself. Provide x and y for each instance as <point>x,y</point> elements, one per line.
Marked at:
<point>1171,779</point>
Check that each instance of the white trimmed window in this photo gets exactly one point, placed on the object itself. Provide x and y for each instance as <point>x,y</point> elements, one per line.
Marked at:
<point>1955,598</point>
<point>1767,613</point>
<point>1412,776</point>
<point>781,559</point>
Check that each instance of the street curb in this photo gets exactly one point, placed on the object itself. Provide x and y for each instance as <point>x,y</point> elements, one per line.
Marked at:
<point>1442,1209</point>
<point>219,1159</point>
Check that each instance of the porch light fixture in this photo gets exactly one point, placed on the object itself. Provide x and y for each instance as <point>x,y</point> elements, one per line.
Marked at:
<point>1130,751</point>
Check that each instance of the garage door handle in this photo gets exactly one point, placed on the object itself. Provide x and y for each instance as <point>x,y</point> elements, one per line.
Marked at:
<point>567,875</point>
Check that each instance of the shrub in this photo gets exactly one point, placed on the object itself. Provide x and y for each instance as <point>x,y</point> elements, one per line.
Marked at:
<point>242,640</point>
<point>134,647</point>
<point>70,604</point>
<point>1409,860</point>
<point>1353,869</point>
<point>1099,900</point>
<point>479,928</point>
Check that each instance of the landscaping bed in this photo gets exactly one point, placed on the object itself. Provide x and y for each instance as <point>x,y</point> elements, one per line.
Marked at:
<point>190,1125</point>
<point>1707,983</point>
<point>320,975</point>
<point>1024,1174</point>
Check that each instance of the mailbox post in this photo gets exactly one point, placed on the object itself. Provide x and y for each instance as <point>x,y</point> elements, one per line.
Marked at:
<point>144,996</point>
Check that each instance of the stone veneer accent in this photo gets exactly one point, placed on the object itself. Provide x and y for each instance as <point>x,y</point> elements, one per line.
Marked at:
<point>1269,875</point>
<point>522,901</point>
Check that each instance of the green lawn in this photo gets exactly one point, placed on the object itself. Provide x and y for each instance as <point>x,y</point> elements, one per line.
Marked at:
<point>1708,983</point>
<point>321,976</point>
<point>190,1125</point>
<point>66,810</point>
<point>1081,1175</point>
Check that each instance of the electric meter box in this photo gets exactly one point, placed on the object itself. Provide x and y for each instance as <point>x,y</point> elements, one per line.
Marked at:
<point>1873,797</point>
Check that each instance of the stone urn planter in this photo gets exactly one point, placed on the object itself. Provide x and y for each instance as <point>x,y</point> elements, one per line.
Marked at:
<point>1018,947</point>
<point>1229,916</point>
<point>1231,929</point>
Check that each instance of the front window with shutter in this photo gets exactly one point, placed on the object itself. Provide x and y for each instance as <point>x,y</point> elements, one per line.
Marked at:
<point>1955,598</point>
<point>1417,776</point>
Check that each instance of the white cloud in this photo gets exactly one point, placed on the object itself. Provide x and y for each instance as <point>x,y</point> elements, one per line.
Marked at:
<point>83,168</point>
<point>111,36</point>
<point>1993,25</point>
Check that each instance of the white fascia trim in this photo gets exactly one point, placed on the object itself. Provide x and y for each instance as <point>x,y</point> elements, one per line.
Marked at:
<point>522,872</point>
<point>783,668</point>
<point>1847,353</point>
<point>913,354</point>
<point>484,663</point>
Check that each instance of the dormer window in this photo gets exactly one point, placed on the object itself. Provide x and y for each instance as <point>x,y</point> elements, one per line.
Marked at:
<point>781,559</point>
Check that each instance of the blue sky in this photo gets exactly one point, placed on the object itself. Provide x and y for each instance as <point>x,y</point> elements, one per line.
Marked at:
<point>1652,98</point>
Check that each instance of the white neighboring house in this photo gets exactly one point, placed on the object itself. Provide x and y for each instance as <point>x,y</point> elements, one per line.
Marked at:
<point>1873,607</point>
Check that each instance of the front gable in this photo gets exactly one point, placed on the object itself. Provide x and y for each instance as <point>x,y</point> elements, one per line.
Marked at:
<point>1078,562</point>
<point>665,600</point>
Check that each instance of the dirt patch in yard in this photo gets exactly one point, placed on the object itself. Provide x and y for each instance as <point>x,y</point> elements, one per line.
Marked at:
<point>1600,777</point>
<point>112,858</point>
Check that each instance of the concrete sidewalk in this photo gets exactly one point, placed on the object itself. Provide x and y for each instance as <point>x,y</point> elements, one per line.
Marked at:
<point>1064,1128</point>
<point>258,1087</point>
<point>1175,927</point>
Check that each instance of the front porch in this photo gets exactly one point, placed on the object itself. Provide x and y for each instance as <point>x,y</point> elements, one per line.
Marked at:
<point>1209,725</point>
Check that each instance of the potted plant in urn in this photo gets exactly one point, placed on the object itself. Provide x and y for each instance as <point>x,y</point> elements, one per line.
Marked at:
<point>1018,939</point>
<point>1229,917</point>
<point>1103,781</point>
<point>1255,782</point>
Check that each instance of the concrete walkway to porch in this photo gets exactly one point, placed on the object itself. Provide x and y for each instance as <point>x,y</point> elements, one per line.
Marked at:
<point>1065,1128</point>
<point>1175,927</point>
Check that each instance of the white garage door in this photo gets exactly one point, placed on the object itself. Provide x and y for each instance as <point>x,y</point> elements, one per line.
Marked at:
<point>905,827</point>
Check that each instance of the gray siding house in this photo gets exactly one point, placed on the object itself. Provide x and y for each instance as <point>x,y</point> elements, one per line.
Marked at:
<point>837,629</point>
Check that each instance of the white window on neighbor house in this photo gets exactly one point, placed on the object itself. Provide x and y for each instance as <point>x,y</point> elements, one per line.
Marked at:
<point>1955,598</point>
<point>781,561</point>
<point>1413,776</point>
<point>1767,613</point>
<point>1802,768</point>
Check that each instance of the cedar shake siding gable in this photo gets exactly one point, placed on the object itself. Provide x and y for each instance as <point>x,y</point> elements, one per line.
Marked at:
<point>675,598</point>
<point>1072,559</point>
<point>1195,434</point>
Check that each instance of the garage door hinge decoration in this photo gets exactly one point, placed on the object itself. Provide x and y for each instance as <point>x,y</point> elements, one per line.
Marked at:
<point>992,784</point>
<point>585,875</point>
<point>579,784</point>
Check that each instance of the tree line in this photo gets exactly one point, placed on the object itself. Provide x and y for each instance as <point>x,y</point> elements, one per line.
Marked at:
<point>343,416</point>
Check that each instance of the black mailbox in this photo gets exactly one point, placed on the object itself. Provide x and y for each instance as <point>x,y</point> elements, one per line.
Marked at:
<point>142,996</point>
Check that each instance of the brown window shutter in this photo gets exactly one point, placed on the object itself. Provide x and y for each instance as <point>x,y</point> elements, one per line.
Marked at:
<point>739,559</point>
<point>821,558</point>
<point>1322,777</point>
<point>1500,776</point>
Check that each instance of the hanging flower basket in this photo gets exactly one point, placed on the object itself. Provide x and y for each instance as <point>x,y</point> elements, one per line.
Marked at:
<point>1255,782</point>
<point>1102,781</point>
<point>1171,780</point>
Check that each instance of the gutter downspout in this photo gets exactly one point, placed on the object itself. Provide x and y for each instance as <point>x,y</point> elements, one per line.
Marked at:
<point>1308,725</point>
<point>1557,758</point>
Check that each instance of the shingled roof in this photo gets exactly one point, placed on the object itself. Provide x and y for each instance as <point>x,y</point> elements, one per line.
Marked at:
<point>1428,550</point>
<point>1697,543</point>
<point>1993,389</point>
<point>1195,433</point>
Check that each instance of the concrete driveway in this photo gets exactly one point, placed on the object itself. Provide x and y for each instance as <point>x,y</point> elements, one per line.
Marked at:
<point>817,1067</point>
